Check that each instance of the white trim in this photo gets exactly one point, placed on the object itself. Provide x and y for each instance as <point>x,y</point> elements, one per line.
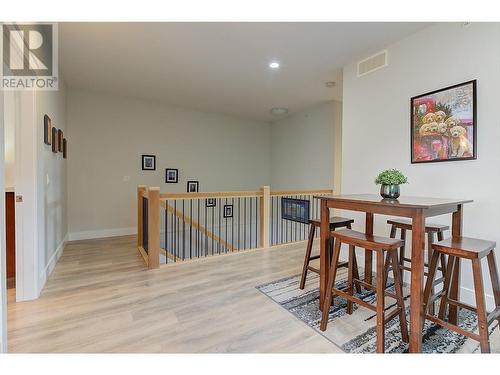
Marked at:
<point>3,276</point>
<point>51,264</point>
<point>103,233</point>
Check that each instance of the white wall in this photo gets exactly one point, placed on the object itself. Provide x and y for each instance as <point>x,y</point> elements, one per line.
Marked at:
<point>376,130</point>
<point>108,134</point>
<point>51,183</point>
<point>302,149</point>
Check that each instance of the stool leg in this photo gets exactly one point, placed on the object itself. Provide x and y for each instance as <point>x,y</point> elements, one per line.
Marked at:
<point>454,292</point>
<point>481,306</point>
<point>443,256</point>
<point>402,253</point>
<point>331,282</point>
<point>380,302</point>
<point>350,277</point>
<point>356,273</point>
<point>430,240</point>
<point>387,266</point>
<point>430,280</point>
<point>393,231</point>
<point>310,240</point>
<point>398,286</point>
<point>446,287</point>
<point>492,265</point>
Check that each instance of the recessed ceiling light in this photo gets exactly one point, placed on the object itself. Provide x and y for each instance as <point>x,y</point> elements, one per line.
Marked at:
<point>279,111</point>
<point>274,65</point>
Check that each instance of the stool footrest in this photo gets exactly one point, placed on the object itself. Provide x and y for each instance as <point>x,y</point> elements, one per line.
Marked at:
<point>392,315</point>
<point>313,269</point>
<point>434,297</point>
<point>461,305</point>
<point>453,327</point>
<point>493,315</point>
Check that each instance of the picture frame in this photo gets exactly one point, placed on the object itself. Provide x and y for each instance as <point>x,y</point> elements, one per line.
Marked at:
<point>65,148</point>
<point>55,147</point>
<point>211,202</point>
<point>47,130</point>
<point>443,124</point>
<point>171,175</point>
<point>228,211</point>
<point>148,162</point>
<point>60,137</point>
<point>193,186</point>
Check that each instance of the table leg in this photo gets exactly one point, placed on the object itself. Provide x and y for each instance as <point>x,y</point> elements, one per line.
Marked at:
<point>456,232</point>
<point>417,282</point>
<point>324,254</point>
<point>368,254</point>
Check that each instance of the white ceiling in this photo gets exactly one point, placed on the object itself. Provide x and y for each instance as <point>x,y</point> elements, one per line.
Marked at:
<point>220,67</point>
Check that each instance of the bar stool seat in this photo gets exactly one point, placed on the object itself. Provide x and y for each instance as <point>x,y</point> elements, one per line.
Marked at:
<point>335,222</point>
<point>474,250</point>
<point>382,246</point>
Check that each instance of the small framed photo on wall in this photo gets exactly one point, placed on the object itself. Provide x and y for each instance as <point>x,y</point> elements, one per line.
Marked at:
<point>148,162</point>
<point>47,130</point>
<point>211,202</point>
<point>60,137</point>
<point>55,146</point>
<point>65,149</point>
<point>193,186</point>
<point>228,210</point>
<point>171,176</point>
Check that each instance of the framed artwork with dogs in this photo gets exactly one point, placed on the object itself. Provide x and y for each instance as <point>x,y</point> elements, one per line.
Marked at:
<point>443,124</point>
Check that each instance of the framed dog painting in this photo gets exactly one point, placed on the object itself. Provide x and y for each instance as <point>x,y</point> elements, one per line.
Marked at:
<point>443,124</point>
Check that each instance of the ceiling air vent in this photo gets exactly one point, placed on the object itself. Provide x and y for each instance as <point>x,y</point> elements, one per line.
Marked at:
<point>372,63</point>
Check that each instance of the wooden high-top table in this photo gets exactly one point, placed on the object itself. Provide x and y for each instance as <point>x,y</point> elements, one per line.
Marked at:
<point>416,208</point>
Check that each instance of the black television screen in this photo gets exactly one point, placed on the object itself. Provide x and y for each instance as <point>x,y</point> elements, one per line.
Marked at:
<point>295,210</point>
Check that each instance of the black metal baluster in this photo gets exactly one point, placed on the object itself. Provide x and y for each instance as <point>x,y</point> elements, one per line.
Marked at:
<point>239,226</point>
<point>250,235</point>
<point>206,227</point>
<point>256,222</point>
<point>220,210</point>
<point>245,223</point>
<point>198,252</point>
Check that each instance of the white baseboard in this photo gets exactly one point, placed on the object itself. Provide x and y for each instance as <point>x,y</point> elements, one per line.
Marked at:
<point>92,234</point>
<point>42,279</point>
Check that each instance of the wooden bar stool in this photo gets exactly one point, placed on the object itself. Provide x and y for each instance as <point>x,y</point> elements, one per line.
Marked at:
<point>431,230</point>
<point>335,222</point>
<point>475,250</point>
<point>380,245</point>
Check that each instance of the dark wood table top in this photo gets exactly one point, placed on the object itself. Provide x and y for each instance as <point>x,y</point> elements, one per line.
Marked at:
<point>403,201</point>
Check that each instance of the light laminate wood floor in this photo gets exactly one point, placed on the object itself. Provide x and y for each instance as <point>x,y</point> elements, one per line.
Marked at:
<point>100,298</point>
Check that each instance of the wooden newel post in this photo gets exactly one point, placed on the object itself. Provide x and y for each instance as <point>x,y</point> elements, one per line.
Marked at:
<point>154,227</point>
<point>265,201</point>
<point>140,190</point>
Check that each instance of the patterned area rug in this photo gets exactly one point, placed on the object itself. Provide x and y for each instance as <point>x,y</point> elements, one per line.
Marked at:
<point>356,333</point>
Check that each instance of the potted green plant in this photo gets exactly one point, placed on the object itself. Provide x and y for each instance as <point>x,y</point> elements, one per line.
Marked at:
<point>390,180</point>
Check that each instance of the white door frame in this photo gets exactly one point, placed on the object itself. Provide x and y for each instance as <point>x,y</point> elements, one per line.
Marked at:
<point>3,272</point>
<point>25,184</point>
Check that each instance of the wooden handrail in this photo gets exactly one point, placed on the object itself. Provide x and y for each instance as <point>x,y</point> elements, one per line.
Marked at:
<point>301,192</point>
<point>217,194</point>
<point>197,226</point>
